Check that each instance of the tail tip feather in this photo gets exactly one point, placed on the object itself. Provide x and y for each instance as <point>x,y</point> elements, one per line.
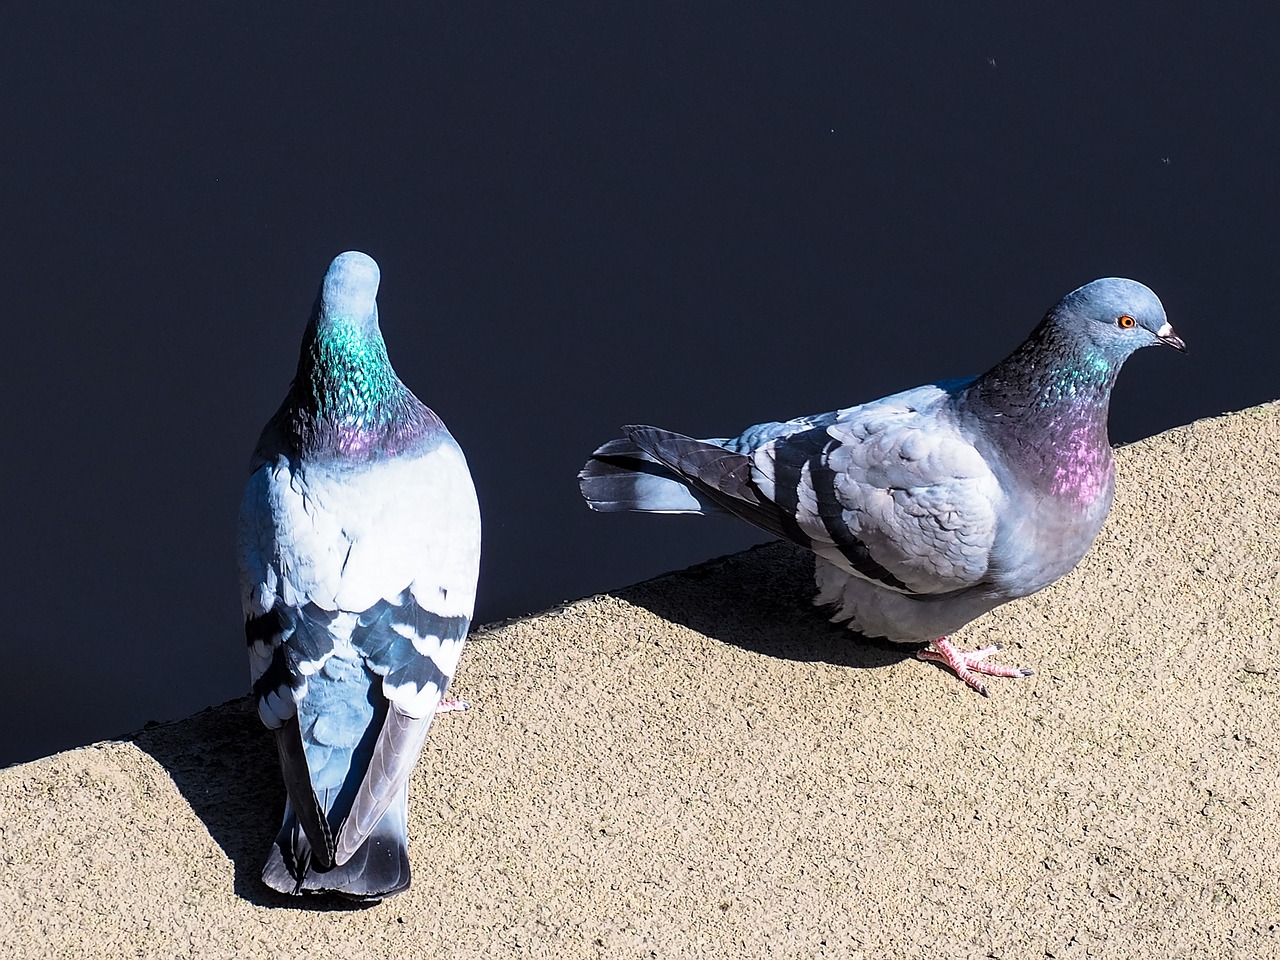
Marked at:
<point>379,869</point>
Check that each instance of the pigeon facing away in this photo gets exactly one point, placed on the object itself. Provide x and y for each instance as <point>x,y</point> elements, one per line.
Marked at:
<point>933,506</point>
<point>359,549</point>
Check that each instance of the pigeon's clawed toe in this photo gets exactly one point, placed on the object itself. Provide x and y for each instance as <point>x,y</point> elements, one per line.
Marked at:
<point>968,664</point>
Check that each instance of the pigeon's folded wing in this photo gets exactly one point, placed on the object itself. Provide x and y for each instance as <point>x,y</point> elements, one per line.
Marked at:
<point>416,553</point>
<point>891,492</point>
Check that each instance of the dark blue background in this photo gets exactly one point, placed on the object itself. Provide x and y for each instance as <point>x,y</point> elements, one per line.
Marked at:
<point>700,216</point>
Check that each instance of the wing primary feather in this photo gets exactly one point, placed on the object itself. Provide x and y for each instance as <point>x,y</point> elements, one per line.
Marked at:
<point>302,798</point>
<point>394,755</point>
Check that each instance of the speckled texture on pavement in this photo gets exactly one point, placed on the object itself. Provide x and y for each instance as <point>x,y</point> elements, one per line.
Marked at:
<point>701,766</point>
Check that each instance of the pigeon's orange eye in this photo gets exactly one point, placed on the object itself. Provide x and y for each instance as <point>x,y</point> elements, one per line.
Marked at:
<point>1126,322</point>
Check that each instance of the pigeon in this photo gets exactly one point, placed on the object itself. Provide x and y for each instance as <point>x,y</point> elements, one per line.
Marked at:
<point>931,507</point>
<point>359,550</point>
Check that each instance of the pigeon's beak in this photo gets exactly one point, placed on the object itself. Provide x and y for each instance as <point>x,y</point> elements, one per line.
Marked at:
<point>1171,339</point>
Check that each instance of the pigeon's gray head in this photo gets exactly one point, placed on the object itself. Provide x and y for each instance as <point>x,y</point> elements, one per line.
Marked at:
<point>1116,317</point>
<point>1044,407</point>
<point>350,290</point>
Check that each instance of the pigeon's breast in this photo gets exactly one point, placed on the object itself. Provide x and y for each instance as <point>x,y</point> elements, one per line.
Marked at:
<point>1051,527</point>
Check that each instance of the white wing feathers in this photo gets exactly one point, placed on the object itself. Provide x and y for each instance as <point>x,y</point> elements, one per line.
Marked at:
<point>343,539</point>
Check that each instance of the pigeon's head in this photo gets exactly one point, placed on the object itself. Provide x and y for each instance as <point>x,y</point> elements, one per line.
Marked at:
<point>1117,317</point>
<point>349,292</point>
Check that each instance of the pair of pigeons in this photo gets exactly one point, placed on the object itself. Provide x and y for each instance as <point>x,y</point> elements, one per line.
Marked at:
<point>359,537</point>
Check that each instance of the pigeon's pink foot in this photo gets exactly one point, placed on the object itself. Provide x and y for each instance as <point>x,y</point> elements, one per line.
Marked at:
<point>452,706</point>
<point>967,664</point>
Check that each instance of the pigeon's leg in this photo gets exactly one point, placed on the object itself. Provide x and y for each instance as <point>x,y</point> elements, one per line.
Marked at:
<point>452,706</point>
<point>967,664</point>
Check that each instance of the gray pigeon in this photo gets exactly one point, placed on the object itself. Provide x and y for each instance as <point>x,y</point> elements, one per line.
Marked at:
<point>359,549</point>
<point>933,506</point>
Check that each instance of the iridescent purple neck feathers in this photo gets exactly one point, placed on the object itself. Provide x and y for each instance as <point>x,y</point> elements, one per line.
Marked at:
<point>1043,409</point>
<point>1048,402</point>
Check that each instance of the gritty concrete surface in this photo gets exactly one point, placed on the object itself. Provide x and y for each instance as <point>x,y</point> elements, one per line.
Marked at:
<point>701,766</point>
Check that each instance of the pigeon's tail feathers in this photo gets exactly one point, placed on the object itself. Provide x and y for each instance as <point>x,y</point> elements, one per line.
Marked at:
<point>290,858</point>
<point>378,869</point>
<point>620,476</point>
<point>305,856</point>
<point>715,474</point>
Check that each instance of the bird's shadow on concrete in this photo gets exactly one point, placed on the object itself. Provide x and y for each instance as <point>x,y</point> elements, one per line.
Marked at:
<point>761,600</point>
<point>223,761</point>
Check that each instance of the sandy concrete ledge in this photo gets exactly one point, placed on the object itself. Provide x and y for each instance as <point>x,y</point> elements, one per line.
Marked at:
<point>701,766</point>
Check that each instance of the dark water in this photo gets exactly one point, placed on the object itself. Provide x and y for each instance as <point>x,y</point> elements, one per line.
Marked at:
<point>700,216</point>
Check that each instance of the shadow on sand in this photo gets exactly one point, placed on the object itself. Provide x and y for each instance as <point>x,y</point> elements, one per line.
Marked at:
<point>761,600</point>
<point>223,760</point>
